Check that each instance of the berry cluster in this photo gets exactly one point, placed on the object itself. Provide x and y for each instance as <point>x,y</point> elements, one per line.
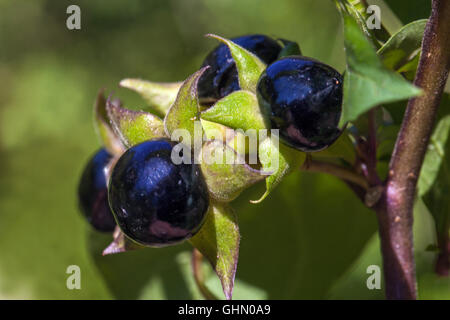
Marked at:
<point>156,202</point>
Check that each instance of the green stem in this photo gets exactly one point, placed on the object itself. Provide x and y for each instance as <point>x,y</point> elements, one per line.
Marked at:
<point>335,170</point>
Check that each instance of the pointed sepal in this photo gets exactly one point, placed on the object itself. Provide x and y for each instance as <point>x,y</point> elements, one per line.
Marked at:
<point>278,159</point>
<point>184,112</point>
<point>226,172</point>
<point>159,96</point>
<point>134,127</point>
<point>238,110</point>
<point>249,66</point>
<point>218,240</point>
<point>103,126</point>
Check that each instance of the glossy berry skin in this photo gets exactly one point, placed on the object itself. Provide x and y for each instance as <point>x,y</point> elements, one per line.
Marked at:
<point>221,78</point>
<point>93,194</point>
<point>304,100</point>
<point>156,202</point>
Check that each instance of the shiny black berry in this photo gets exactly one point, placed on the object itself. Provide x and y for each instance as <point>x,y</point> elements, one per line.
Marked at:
<point>93,194</point>
<point>221,78</point>
<point>304,100</point>
<point>155,201</point>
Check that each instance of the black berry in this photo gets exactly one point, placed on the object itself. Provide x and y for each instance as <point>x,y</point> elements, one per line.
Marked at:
<point>155,201</point>
<point>221,78</point>
<point>304,100</point>
<point>93,194</point>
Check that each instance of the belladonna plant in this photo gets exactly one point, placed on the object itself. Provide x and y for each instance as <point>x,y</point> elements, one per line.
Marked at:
<point>329,122</point>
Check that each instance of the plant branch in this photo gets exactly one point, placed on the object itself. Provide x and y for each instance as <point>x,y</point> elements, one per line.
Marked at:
<point>197,259</point>
<point>335,170</point>
<point>395,210</point>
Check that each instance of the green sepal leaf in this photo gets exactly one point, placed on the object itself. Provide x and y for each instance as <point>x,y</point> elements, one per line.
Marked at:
<point>160,96</point>
<point>121,243</point>
<point>184,112</point>
<point>399,49</point>
<point>225,171</point>
<point>134,127</point>
<point>238,110</point>
<point>214,130</point>
<point>278,159</point>
<point>104,130</point>
<point>367,82</point>
<point>218,240</point>
<point>235,139</point>
<point>290,48</point>
<point>249,66</point>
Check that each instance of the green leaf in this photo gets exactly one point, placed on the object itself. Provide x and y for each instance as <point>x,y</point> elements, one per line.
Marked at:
<point>238,110</point>
<point>226,173</point>
<point>159,96</point>
<point>290,48</point>
<point>398,50</point>
<point>435,156</point>
<point>134,127</point>
<point>367,82</point>
<point>249,66</point>
<point>278,159</point>
<point>409,69</point>
<point>106,133</point>
<point>356,10</point>
<point>184,112</point>
<point>434,180</point>
<point>218,241</point>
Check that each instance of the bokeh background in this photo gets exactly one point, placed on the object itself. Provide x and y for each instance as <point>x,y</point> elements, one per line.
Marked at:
<point>310,239</point>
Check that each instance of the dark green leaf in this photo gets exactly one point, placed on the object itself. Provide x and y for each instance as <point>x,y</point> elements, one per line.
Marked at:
<point>435,156</point>
<point>434,180</point>
<point>367,82</point>
<point>400,48</point>
<point>134,127</point>
<point>290,48</point>
<point>408,70</point>
<point>218,241</point>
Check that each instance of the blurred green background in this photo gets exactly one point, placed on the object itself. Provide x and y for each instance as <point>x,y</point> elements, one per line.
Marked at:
<point>311,238</point>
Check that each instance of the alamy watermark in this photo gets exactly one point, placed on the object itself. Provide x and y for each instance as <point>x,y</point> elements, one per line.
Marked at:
<point>374,280</point>
<point>73,21</point>
<point>74,279</point>
<point>374,19</point>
